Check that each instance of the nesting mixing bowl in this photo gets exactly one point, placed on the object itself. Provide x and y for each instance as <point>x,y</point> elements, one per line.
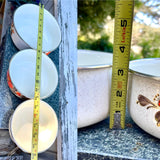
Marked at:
<point>24,29</point>
<point>94,84</point>
<point>21,74</point>
<point>144,94</point>
<point>20,126</point>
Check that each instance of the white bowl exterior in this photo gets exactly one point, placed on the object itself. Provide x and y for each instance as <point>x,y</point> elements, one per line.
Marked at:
<point>94,85</point>
<point>93,95</point>
<point>21,126</point>
<point>22,73</point>
<point>143,117</point>
<point>26,25</point>
<point>20,44</point>
<point>148,87</point>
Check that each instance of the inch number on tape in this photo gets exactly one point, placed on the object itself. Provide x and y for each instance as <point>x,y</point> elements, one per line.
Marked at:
<point>121,54</point>
<point>35,128</point>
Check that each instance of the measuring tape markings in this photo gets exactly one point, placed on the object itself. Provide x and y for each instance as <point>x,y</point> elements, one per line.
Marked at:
<point>122,41</point>
<point>35,128</point>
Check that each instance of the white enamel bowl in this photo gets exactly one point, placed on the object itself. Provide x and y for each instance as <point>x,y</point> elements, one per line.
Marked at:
<point>94,87</point>
<point>94,84</point>
<point>20,126</point>
<point>144,94</point>
<point>24,30</point>
<point>22,70</point>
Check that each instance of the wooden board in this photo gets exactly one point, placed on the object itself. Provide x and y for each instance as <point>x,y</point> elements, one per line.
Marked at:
<point>66,13</point>
<point>49,4</point>
<point>7,19</point>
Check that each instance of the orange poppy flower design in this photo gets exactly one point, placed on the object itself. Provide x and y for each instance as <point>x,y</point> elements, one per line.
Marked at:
<point>12,29</point>
<point>13,88</point>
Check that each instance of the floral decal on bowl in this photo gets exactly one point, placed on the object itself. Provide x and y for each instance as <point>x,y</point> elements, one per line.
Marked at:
<point>145,102</point>
<point>13,88</point>
<point>12,28</point>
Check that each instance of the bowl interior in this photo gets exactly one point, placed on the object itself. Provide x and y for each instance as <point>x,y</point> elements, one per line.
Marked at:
<point>26,23</point>
<point>147,66</point>
<point>87,58</point>
<point>21,126</point>
<point>22,70</point>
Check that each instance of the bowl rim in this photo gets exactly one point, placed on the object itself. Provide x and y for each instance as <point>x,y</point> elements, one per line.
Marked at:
<point>144,74</point>
<point>90,67</point>
<point>16,32</point>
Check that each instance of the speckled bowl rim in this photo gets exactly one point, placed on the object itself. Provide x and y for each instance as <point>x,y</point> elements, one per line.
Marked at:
<point>90,67</point>
<point>143,74</point>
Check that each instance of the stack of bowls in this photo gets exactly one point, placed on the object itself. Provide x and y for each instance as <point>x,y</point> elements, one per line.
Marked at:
<point>21,77</point>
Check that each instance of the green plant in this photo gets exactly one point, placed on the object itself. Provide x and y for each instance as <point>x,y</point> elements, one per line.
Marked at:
<point>150,50</point>
<point>101,44</point>
<point>134,56</point>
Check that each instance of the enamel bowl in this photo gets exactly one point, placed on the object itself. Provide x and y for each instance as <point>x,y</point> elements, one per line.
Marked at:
<point>24,29</point>
<point>144,94</point>
<point>94,85</point>
<point>20,126</point>
<point>21,74</point>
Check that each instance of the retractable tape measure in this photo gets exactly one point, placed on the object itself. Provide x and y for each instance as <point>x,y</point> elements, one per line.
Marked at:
<point>35,128</point>
<point>121,54</point>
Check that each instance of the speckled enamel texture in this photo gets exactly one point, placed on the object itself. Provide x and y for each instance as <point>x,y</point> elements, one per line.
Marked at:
<point>94,84</point>
<point>144,94</point>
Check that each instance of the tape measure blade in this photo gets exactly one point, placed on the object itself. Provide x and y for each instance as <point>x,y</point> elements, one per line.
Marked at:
<point>121,54</point>
<point>35,128</point>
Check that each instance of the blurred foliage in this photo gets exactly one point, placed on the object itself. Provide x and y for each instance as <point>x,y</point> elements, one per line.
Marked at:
<point>92,14</point>
<point>134,56</point>
<point>150,8</point>
<point>148,50</point>
<point>149,42</point>
<point>101,44</point>
<point>92,17</point>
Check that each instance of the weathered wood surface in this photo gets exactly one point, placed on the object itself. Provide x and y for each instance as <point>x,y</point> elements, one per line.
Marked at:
<point>12,158</point>
<point>48,4</point>
<point>66,13</point>
<point>1,15</point>
<point>6,145</point>
<point>67,17</point>
<point>42,156</point>
<point>7,18</point>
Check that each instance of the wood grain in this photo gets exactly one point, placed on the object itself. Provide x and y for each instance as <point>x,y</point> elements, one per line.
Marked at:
<point>6,145</point>
<point>7,18</point>
<point>66,13</point>
<point>48,4</point>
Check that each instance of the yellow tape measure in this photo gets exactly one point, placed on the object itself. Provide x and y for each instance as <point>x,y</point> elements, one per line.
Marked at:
<point>121,54</point>
<point>35,128</point>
